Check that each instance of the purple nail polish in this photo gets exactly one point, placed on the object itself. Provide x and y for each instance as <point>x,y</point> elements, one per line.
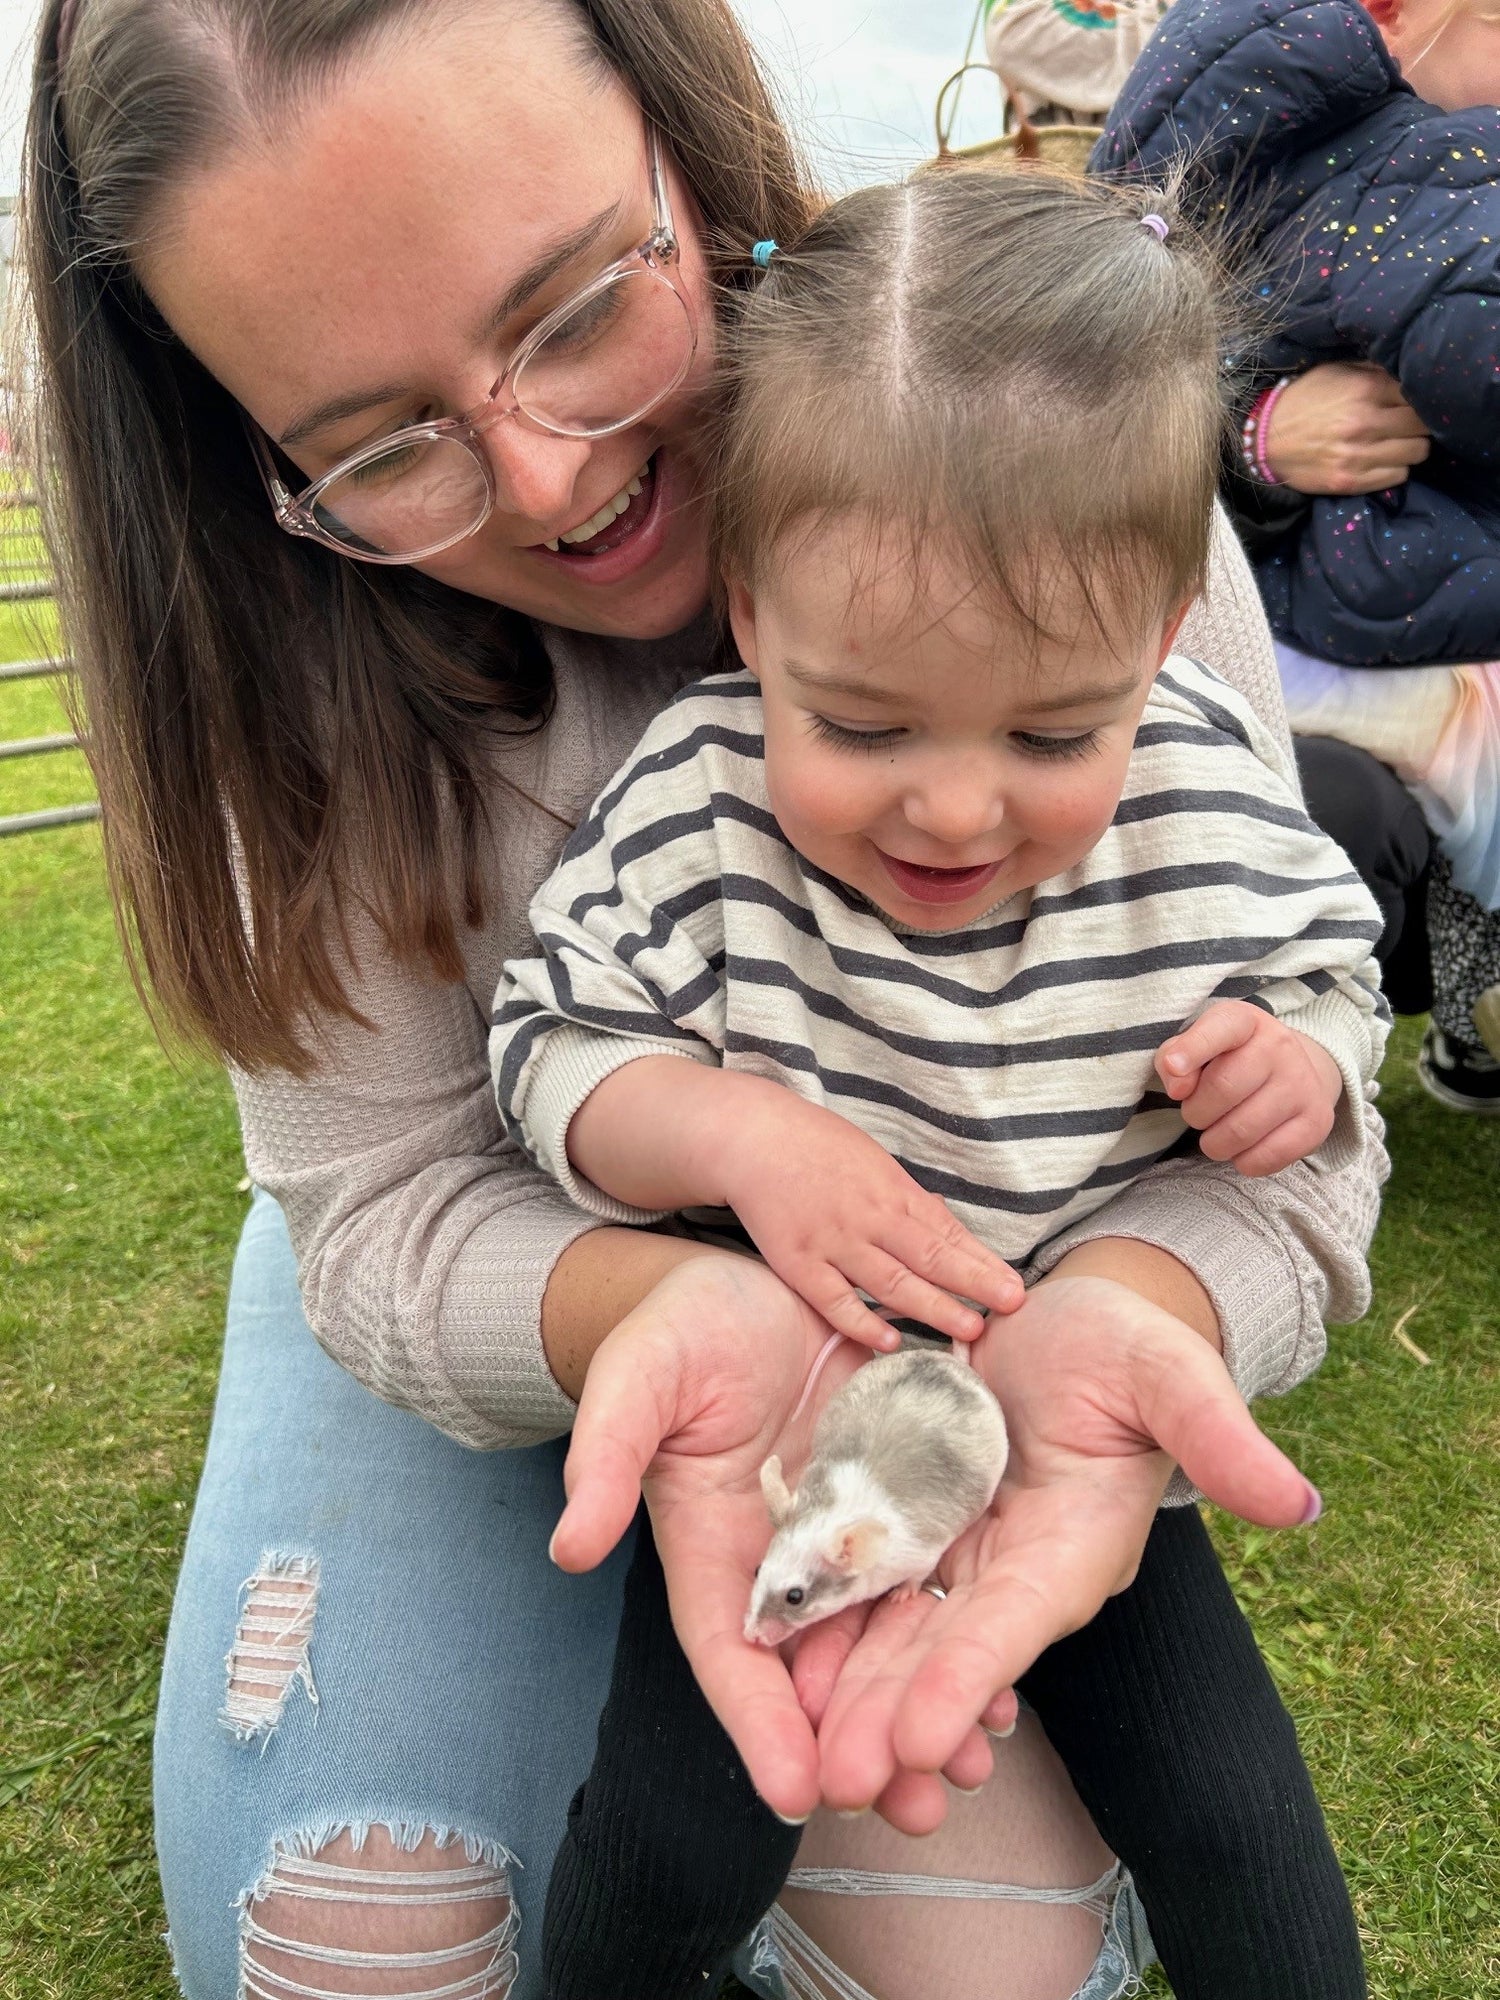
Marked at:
<point>1313,1508</point>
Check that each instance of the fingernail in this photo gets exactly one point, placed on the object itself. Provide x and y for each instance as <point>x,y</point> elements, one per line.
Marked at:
<point>965,1791</point>
<point>787,1820</point>
<point>1000,1735</point>
<point>1313,1508</point>
<point>854,1812</point>
<point>552,1543</point>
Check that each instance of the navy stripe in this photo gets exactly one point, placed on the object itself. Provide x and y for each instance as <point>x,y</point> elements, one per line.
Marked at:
<point>1031,1201</point>
<point>1229,805</point>
<point>740,743</point>
<point>1178,955</point>
<point>854,1087</point>
<point>1227,723</point>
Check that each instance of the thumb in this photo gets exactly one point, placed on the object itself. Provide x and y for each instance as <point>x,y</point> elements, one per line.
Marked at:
<point>616,1434</point>
<point>1199,1418</point>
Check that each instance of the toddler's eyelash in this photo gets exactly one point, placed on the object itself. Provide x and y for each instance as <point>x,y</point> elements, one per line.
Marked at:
<point>1057,746</point>
<point>853,739</point>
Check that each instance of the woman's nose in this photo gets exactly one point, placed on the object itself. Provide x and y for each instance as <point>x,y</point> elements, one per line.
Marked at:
<point>536,474</point>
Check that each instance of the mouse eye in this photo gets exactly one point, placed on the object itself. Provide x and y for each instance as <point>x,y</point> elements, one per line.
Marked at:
<point>796,1594</point>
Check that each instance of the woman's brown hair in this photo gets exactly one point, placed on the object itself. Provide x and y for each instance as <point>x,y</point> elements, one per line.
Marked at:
<point>277,732</point>
<point>1014,365</point>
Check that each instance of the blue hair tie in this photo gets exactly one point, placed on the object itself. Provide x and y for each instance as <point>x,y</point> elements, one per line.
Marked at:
<point>762,253</point>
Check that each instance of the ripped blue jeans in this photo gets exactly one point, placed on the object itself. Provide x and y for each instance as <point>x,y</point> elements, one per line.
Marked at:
<point>379,1696</point>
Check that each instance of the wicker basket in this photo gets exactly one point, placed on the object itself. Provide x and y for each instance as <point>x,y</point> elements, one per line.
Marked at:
<point>1065,148</point>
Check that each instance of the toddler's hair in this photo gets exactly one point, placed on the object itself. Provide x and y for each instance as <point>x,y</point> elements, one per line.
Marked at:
<point>1009,366</point>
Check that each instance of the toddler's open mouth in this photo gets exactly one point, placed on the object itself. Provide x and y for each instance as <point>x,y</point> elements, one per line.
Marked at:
<point>938,885</point>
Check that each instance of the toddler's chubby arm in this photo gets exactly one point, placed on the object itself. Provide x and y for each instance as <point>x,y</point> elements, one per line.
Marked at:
<point>826,1205</point>
<point>1257,1092</point>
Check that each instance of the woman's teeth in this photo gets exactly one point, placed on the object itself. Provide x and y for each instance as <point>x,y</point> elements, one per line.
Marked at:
<point>608,513</point>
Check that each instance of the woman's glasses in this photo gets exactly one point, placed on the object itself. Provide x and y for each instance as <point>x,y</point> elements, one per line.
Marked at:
<point>597,364</point>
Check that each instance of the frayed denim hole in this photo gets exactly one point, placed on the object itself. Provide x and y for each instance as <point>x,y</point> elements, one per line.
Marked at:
<point>272,1650</point>
<point>421,1913</point>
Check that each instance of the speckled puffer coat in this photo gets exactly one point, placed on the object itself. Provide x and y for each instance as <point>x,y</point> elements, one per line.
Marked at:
<point>1379,220</point>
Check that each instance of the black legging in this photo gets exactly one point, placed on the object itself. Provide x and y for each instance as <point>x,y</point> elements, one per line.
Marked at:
<point>1374,818</point>
<point>1162,1710</point>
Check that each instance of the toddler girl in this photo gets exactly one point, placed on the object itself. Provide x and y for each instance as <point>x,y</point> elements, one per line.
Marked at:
<point>964,901</point>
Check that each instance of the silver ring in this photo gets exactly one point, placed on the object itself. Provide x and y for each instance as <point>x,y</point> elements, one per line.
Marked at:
<point>935,1590</point>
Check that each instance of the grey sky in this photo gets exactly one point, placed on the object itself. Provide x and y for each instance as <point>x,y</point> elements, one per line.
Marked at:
<point>859,76</point>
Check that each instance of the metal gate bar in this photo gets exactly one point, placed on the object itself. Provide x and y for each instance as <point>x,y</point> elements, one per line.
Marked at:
<point>38,822</point>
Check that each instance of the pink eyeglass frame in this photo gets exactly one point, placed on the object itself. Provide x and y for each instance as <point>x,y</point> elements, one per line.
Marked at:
<point>659,256</point>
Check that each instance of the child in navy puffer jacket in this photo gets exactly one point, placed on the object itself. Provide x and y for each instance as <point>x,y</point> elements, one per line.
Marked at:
<point>1376,221</point>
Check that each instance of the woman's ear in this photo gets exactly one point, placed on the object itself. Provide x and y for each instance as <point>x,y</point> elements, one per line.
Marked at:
<point>742,624</point>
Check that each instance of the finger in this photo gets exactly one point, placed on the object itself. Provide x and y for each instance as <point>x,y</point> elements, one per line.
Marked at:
<point>616,1434</point>
<point>833,1293</point>
<point>1384,476</point>
<point>856,1767</point>
<point>944,1252</point>
<point>1179,1082</point>
<point>1042,1572</point>
<point>1252,1118</point>
<point>820,1656</point>
<point>1001,1716</point>
<point>972,1764</point>
<point>1281,1148</point>
<point>1224,1090</point>
<point>914,1802</point>
<point>884,1276</point>
<point>1193,1410</point>
<point>946,1257</point>
<point>1225,1026</point>
<point>747,1687</point>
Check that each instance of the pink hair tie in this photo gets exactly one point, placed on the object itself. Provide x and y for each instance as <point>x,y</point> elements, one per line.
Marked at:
<point>1157,224</point>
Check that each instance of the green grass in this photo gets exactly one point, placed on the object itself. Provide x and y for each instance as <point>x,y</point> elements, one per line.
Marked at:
<point>119,1201</point>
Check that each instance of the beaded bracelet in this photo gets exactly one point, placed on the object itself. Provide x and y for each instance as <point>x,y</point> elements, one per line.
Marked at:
<point>1255,430</point>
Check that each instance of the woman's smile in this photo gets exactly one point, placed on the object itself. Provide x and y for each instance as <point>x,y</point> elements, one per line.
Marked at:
<point>629,531</point>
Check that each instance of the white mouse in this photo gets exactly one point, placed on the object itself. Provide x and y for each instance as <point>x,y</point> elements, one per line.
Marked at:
<point>904,1457</point>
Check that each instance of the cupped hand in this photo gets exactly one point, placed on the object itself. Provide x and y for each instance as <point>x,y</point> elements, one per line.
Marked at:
<point>685,1399</point>
<point>1103,1392</point>
<point>1344,427</point>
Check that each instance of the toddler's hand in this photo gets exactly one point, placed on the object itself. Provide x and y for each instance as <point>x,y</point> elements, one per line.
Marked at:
<point>833,1215</point>
<point>1255,1091</point>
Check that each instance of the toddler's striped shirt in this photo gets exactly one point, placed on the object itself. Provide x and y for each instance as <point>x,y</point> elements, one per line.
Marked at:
<point>1006,1065</point>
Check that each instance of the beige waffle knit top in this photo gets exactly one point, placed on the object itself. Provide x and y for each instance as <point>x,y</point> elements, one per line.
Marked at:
<point>425,1238</point>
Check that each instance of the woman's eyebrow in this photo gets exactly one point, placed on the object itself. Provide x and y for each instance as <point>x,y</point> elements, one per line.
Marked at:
<point>538,273</point>
<point>546,267</point>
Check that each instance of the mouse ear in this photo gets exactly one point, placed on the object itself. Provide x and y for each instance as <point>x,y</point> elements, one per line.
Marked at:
<point>777,1492</point>
<point>856,1547</point>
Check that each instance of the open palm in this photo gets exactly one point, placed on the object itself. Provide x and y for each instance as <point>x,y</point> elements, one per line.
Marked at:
<point>1103,1393</point>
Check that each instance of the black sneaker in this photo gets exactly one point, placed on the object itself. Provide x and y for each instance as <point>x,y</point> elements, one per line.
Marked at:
<point>1464,1077</point>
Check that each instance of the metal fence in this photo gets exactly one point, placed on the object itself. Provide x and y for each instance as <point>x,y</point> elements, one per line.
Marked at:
<point>23,580</point>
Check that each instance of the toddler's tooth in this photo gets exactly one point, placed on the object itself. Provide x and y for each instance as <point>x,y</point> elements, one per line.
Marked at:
<point>634,487</point>
<point>550,545</point>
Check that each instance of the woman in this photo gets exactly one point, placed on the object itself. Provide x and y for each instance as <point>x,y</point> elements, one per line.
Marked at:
<point>262,239</point>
